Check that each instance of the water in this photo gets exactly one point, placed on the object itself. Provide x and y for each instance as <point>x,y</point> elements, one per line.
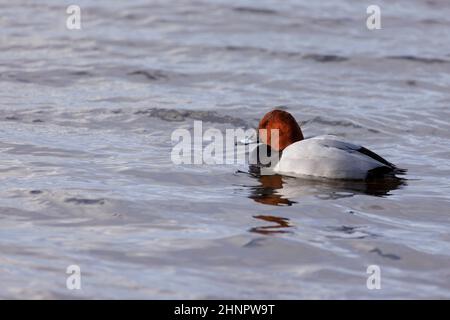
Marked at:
<point>86,176</point>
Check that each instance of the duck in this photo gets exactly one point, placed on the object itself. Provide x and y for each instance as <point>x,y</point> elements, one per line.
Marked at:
<point>324,156</point>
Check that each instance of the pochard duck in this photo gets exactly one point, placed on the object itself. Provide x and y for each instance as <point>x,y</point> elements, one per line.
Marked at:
<point>323,156</point>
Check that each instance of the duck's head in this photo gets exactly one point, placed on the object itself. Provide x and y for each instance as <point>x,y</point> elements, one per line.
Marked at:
<point>285,130</point>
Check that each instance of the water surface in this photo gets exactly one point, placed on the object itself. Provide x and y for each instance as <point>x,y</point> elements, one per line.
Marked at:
<point>85,138</point>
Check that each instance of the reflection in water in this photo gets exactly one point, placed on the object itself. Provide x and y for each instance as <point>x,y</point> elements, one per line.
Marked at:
<point>280,190</point>
<point>277,190</point>
<point>267,193</point>
<point>280,226</point>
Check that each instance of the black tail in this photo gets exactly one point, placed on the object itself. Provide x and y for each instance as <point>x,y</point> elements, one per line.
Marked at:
<point>385,172</point>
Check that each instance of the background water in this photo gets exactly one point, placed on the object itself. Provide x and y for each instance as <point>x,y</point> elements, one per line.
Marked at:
<point>86,177</point>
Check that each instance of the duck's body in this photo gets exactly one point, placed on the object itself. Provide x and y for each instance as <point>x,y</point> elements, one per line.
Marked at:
<point>328,157</point>
<point>322,156</point>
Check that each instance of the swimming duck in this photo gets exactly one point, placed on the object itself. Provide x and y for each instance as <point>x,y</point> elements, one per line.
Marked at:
<point>323,156</point>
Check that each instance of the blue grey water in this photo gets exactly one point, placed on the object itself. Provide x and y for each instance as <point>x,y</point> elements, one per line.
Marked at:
<point>86,118</point>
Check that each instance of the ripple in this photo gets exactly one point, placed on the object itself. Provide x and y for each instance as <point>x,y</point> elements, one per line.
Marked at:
<point>150,75</point>
<point>255,10</point>
<point>177,115</point>
<point>83,201</point>
<point>325,57</point>
<point>339,123</point>
<point>389,256</point>
<point>419,59</point>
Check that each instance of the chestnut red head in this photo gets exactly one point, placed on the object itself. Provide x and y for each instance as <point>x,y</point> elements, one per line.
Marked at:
<point>288,130</point>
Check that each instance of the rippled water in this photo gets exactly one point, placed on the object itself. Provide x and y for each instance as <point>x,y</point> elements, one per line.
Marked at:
<point>85,139</point>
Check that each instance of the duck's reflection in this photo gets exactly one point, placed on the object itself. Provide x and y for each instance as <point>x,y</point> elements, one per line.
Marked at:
<point>267,193</point>
<point>278,225</point>
<point>280,190</point>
